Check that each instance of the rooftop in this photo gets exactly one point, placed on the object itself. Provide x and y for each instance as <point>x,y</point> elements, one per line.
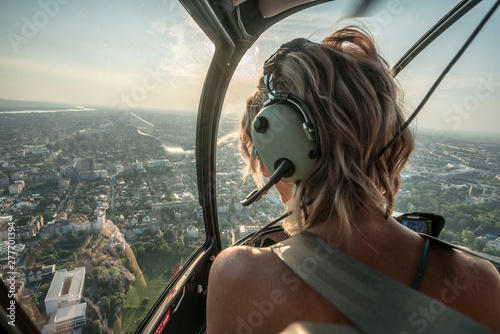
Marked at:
<point>66,284</point>
<point>68,313</point>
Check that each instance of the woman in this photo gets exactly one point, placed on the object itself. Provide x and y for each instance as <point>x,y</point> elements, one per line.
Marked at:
<point>348,197</point>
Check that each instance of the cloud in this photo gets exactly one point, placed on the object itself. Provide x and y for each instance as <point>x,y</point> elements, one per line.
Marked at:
<point>187,51</point>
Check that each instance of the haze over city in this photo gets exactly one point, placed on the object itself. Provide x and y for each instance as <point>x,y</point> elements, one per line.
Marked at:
<point>139,55</point>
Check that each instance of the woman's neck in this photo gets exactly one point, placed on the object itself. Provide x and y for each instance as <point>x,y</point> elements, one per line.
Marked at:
<point>368,233</point>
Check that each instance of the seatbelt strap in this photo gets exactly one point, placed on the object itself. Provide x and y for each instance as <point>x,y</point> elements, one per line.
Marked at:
<point>372,301</point>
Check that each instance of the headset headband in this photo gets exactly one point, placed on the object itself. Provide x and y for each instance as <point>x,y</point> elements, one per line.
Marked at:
<point>269,66</point>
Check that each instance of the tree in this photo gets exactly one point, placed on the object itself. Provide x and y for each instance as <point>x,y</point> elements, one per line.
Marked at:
<point>127,263</point>
<point>144,302</point>
<point>44,288</point>
<point>71,236</point>
<point>117,301</point>
<point>139,251</point>
<point>149,232</point>
<point>177,247</point>
<point>164,249</point>
<point>479,244</point>
<point>168,235</point>
<point>29,311</point>
<point>468,237</point>
<point>68,266</point>
<point>96,327</point>
<point>104,305</point>
<point>73,258</point>
<point>51,259</point>
<point>47,216</point>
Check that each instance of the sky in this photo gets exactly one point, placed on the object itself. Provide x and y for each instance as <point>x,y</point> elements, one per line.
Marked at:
<point>132,54</point>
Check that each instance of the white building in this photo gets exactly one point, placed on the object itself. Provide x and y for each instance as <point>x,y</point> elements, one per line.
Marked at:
<point>101,220</point>
<point>138,166</point>
<point>65,290</point>
<point>5,218</point>
<point>192,231</point>
<point>119,169</point>
<point>100,174</point>
<point>494,244</point>
<point>66,318</point>
<point>117,240</point>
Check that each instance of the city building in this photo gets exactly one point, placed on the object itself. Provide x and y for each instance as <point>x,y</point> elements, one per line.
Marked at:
<point>66,318</point>
<point>65,290</point>
<point>4,181</point>
<point>31,228</point>
<point>101,219</point>
<point>494,244</point>
<point>5,218</point>
<point>138,166</point>
<point>84,164</point>
<point>17,248</point>
<point>119,169</point>
<point>16,188</point>
<point>192,231</point>
<point>100,174</point>
<point>481,194</point>
<point>40,273</point>
<point>37,176</point>
<point>463,173</point>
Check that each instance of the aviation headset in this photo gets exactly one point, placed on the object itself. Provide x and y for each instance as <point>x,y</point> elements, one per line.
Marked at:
<point>285,134</point>
<point>285,131</point>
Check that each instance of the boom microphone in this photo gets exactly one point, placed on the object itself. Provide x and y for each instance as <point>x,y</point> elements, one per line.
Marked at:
<point>285,169</point>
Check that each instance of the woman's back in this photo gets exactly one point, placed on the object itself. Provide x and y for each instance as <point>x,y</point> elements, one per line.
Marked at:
<point>340,99</point>
<point>255,292</point>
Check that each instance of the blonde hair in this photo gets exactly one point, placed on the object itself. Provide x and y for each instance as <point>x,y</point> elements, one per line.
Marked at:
<point>356,103</point>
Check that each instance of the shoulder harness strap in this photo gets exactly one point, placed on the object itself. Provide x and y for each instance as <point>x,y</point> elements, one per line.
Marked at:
<point>372,301</point>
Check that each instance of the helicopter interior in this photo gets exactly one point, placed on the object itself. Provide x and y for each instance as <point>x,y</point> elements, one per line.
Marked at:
<point>238,36</point>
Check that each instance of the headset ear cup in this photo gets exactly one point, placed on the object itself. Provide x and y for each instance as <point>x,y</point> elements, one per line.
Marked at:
<point>278,133</point>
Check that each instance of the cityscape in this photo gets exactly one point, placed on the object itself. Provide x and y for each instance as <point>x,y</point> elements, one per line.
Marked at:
<point>99,208</point>
<point>104,203</point>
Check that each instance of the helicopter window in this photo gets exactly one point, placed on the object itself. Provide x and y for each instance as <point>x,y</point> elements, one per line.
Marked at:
<point>467,169</point>
<point>454,170</point>
<point>98,190</point>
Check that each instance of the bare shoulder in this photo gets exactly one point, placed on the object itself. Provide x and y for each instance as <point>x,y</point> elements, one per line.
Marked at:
<point>239,263</point>
<point>237,279</point>
<point>467,283</point>
<point>483,297</point>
